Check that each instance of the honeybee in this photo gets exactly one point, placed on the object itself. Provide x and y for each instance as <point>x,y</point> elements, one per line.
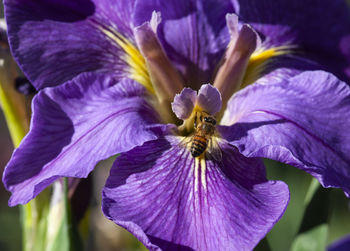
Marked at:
<point>203,138</point>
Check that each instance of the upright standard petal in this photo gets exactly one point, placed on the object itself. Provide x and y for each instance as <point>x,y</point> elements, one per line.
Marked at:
<point>192,32</point>
<point>74,126</point>
<point>303,122</point>
<point>317,28</point>
<point>171,201</point>
<point>55,40</point>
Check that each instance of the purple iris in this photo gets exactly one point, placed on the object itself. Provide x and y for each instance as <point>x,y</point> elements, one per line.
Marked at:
<point>108,72</point>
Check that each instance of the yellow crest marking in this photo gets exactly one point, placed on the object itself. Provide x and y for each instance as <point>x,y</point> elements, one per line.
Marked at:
<point>133,57</point>
<point>200,169</point>
<point>203,173</point>
<point>196,173</point>
<point>259,60</point>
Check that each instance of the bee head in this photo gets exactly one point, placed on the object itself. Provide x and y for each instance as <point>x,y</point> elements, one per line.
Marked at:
<point>210,120</point>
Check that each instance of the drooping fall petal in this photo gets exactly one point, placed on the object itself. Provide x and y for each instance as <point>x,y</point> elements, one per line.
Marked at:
<point>169,200</point>
<point>74,126</point>
<point>303,121</point>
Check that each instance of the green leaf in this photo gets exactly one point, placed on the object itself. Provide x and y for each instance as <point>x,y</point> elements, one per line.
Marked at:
<point>263,245</point>
<point>283,233</point>
<point>313,232</point>
<point>317,210</point>
<point>312,240</point>
<point>67,236</point>
<point>339,218</point>
<point>311,191</point>
<point>47,223</point>
<point>12,103</point>
<point>34,222</point>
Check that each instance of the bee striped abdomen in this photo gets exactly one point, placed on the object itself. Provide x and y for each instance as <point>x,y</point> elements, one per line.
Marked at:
<point>198,146</point>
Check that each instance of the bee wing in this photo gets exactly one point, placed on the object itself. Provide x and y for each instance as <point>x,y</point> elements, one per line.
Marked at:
<point>214,150</point>
<point>185,142</point>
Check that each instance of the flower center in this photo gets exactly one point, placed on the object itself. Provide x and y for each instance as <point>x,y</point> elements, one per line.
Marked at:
<point>195,109</point>
<point>238,65</point>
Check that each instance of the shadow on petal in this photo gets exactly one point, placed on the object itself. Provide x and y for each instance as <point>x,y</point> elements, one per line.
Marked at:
<point>63,11</point>
<point>166,245</point>
<point>149,162</point>
<point>239,130</point>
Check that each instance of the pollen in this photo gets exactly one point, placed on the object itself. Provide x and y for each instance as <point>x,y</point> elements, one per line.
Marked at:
<point>187,126</point>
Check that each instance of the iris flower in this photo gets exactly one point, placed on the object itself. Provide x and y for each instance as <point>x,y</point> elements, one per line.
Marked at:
<point>129,78</point>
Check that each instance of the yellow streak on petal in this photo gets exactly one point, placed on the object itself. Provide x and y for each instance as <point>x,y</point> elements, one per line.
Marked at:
<point>138,69</point>
<point>259,60</point>
<point>196,173</point>
<point>203,173</point>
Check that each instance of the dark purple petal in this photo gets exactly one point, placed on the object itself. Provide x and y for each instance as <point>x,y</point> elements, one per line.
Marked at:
<point>55,40</point>
<point>317,27</point>
<point>170,201</point>
<point>303,122</point>
<point>74,126</point>
<point>193,34</point>
<point>345,49</point>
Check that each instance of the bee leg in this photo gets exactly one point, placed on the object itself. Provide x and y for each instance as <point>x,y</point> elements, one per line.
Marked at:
<point>195,121</point>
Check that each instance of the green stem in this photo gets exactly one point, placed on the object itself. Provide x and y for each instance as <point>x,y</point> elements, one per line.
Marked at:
<point>314,185</point>
<point>13,104</point>
<point>14,108</point>
<point>75,242</point>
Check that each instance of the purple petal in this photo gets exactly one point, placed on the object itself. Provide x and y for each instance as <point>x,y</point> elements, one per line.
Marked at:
<point>193,33</point>
<point>74,126</point>
<point>184,103</point>
<point>55,40</point>
<point>209,99</point>
<point>170,202</point>
<point>303,122</point>
<point>316,27</point>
